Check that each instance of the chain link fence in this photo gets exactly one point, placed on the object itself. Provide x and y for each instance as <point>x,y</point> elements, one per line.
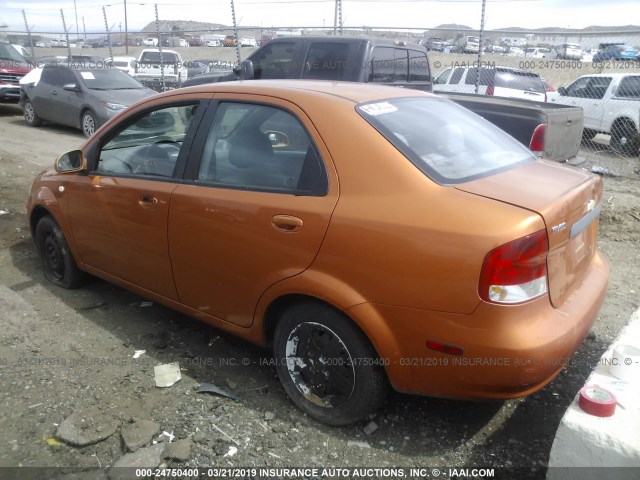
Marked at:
<point>595,68</point>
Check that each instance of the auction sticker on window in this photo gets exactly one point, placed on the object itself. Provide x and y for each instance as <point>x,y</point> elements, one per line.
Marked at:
<point>87,75</point>
<point>375,109</point>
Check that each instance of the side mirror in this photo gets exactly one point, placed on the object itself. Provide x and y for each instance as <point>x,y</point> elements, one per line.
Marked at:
<point>244,71</point>
<point>71,87</point>
<point>71,162</point>
<point>562,91</point>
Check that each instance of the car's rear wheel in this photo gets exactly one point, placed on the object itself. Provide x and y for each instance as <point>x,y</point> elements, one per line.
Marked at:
<point>625,138</point>
<point>327,365</point>
<point>88,123</point>
<point>30,116</point>
<point>57,261</point>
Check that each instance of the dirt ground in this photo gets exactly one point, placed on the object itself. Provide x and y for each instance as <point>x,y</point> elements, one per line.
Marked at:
<point>70,353</point>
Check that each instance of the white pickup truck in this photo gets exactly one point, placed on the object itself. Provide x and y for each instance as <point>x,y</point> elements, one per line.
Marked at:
<point>149,71</point>
<point>611,105</point>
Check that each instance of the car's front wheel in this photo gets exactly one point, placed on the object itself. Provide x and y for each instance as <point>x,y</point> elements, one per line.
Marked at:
<point>327,365</point>
<point>57,261</point>
<point>30,116</point>
<point>88,123</point>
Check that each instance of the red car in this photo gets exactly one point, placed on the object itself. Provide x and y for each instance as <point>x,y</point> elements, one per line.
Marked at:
<point>13,67</point>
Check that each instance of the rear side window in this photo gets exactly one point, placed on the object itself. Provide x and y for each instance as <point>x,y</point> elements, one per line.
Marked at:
<point>445,141</point>
<point>517,80</point>
<point>418,67</point>
<point>261,148</point>
<point>456,76</point>
<point>486,76</point>
<point>326,61</point>
<point>629,87</point>
<point>382,65</point>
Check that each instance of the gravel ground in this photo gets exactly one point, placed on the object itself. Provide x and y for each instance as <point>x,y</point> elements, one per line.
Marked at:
<point>67,368</point>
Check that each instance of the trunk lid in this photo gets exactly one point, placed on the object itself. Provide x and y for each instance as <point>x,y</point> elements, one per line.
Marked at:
<point>568,200</point>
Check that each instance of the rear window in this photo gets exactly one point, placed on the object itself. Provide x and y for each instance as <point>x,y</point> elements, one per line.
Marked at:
<point>154,58</point>
<point>447,142</point>
<point>527,81</point>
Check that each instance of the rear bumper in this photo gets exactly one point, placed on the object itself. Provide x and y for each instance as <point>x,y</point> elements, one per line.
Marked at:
<point>509,351</point>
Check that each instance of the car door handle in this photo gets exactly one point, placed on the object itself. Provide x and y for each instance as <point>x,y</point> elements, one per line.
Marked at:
<point>286,223</point>
<point>148,201</point>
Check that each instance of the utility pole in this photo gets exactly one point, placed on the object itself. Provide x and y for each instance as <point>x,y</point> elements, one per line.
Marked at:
<point>66,35</point>
<point>84,29</point>
<point>24,15</point>
<point>235,31</point>
<point>162,82</point>
<point>126,30</point>
<point>484,4</point>
<point>106,26</point>
<point>75,9</point>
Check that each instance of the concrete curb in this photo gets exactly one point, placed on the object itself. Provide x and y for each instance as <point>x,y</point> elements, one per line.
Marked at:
<point>584,440</point>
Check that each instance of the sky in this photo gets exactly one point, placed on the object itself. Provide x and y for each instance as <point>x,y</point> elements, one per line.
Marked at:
<point>45,15</point>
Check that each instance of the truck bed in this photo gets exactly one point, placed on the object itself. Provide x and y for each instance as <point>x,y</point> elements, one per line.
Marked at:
<point>564,124</point>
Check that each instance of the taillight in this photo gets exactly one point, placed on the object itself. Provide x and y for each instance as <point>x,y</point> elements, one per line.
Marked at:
<point>516,271</point>
<point>489,90</point>
<point>537,139</point>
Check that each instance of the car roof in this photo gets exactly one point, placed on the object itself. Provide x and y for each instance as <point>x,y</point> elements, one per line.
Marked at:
<point>306,89</point>
<point>342,39</point>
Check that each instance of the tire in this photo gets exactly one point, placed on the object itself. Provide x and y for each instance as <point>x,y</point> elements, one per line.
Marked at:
<point>349,384</point>
<point>588,134</point>
<point>30,116</point>
<point>625,139</point>
<point>57,261</point>
<point>88,123</point>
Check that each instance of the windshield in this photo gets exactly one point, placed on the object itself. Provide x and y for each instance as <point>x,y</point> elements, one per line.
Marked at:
<point>108,79</point>
<point>7,52</point>
<point>445,141</point>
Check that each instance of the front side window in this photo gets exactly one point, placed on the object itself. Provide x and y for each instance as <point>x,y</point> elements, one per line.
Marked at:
<point>262,148</point>
<point>273,61</point>
<point>148,145</point>
<point>326,61</point>
<point>444,140</point>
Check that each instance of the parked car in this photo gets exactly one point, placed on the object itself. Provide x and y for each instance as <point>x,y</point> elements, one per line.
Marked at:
<point>498,81</point>
<point>468,44</point>
<point>150,71</point>
<point>14,68</point>
<point>499,49</point>
<point>238,215</point>
<point>569,51</point>
<point>265,38</point>
<point>195,42</point>
<point>434,44</point>
<point>214,43</point>
<point>183,42</point>
<point>229,41</point>
<point>81,98</point>
<point>611,102</point>
<point>125,64</point>
<point>616,52</point>
<point>540,52</point>
<point>248,42</point>
<point>516,52</point>
<point>150,42</point>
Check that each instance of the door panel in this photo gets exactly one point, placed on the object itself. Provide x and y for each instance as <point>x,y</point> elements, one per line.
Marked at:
<point>121,230</point>
<point>257,212</point>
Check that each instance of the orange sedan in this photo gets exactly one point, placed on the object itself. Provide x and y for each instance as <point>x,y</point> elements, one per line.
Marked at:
<point>371,236</point>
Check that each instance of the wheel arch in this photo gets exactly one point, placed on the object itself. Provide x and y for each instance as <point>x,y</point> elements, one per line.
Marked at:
<point>621,121</point>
